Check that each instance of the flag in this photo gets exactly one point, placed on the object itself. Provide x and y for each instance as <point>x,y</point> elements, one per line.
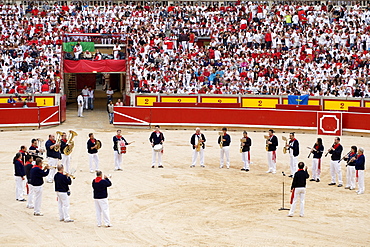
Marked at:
<point>298,99</point>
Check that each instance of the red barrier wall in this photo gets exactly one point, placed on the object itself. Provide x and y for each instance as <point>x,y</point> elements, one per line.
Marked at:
<point>29,117</point>
<point>236,117</point>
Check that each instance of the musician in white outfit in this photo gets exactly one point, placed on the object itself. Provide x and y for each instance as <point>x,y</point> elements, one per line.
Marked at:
<point>100,186</point>
<point>197,141</point>
<point>119,147</point>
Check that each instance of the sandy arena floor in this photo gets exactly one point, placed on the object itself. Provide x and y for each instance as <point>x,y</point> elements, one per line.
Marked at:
<point>182,206</point>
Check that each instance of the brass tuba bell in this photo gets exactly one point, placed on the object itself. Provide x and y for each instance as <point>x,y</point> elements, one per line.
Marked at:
<point>58,140</point>
<point>69,148</point>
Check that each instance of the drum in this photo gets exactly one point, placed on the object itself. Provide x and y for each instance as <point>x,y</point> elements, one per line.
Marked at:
<point>158,148</point>
<point>121,147</point>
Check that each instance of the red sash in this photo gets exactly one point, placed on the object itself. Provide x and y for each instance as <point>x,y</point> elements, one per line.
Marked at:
<point>249,157</point>
<point>292,196</point>
<point>319,167</point>
<point>274,156</point>
<point>356,175</point>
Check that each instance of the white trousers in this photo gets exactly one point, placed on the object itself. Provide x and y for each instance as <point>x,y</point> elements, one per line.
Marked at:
<point>66,161</point>
<point>335,169</point>
<point>301,192</point>
<point>293,164</point>
<point>246,159</point>
<point>37,192</point>
<point>63,205</point>
<point>52,171</point>
<point>117,160</point>
<point>195,156</point>
<point>102,207</point>
<point>351,177</point>
<point>361,180</point>
<point>24,186</point>
<point>271,159</point>
<point>30,196</point>
<point>94,158</point>
<point>19,188</point>
<point>316,168</point>
<point>225,151</point>
<point>86,102</point>
<point>80,110</point>
<point>154,155</point>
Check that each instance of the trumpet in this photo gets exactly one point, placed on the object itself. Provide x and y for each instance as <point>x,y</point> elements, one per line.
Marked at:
<point>221,141</point>
<point>285,149</point>
<point>267,139</point>
<point>58,140</point>
<point>242,140</point>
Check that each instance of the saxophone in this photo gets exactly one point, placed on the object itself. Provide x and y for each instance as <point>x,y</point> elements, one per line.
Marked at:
<point>285,149</point>
<point>200,144</point>
<point>267,139</point>
<point>241,142</point>
<point>221,141</point>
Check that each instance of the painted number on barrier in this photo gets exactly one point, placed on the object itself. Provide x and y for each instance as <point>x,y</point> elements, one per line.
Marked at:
<point>179,100</point>
<point>146,101</point>
<point>44,101</point>
<point>219,101</point>
<point>341,106</point>
<point>260,103</point>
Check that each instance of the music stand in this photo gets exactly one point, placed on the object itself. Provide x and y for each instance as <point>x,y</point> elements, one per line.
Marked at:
<point>282,207</point>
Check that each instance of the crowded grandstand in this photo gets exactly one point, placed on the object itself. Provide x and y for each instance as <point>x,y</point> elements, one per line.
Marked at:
<point>319,49</point>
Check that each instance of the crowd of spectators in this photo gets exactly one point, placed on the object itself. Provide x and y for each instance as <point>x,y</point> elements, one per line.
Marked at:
<point>254,48</point>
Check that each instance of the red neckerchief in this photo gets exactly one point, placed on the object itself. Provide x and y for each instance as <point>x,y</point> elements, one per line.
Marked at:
<point>316,147</point>
<point>93,140</point>
<point>27,163</point>
<point>53,141</point>
<point>64,140</point>
<point>292,140</point>
<point>98,179</point>
<point>21,151</point>
<point>300,169</point>
<point>118,137</point>
<point>21,161</point>
<point>336,146</point>
<point>34,146</point>
<point>224,134</point>
<point>36,166</point>
<point>352,153</point>
<point>359,156</point>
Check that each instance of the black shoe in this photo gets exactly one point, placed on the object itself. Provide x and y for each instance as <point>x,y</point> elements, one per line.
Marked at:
<point>317,180</point>
<point>247,170</point>
<point>312,179</point>
<point>22,200</point>
<point>290,176</point>
<point>152,166</point>
<point>340,185</point>
<point>160,166</point>
<point>332,184</point>
<point>242,169</point>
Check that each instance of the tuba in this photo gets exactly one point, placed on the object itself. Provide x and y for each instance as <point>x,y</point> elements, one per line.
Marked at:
<point>285,149</point>
<point>68,149</point>
<point>242,140</point>
<point>58,139</point>
<point>267,139</point>
<point>221,141</point>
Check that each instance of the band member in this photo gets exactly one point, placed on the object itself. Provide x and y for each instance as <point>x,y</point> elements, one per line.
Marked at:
<point>335,169</point>
<point>66,159</point>
<point>62,182</point>
<point>197,141</point>
<point>351,170</point>
<point>100,186</point>
<point>23,151</point>
<point>37,175</point>
<point>360,171</point>
<point>271,152</point>
<point>53,156</point>
<point>293,148</point>
<point>246,157</point>
<point>27,168</point>
<point>19,174</point>
<point>118,156</point>
<point>93,153</point>
<point>317,151</point>
<point>34,149</point>
<point>225,149</point>
<point>298,188</point>
<point>156,138</point>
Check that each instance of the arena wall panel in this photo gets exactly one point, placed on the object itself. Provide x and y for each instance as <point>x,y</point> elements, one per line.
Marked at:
<point>49,116</point>
<point>19,117</point>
